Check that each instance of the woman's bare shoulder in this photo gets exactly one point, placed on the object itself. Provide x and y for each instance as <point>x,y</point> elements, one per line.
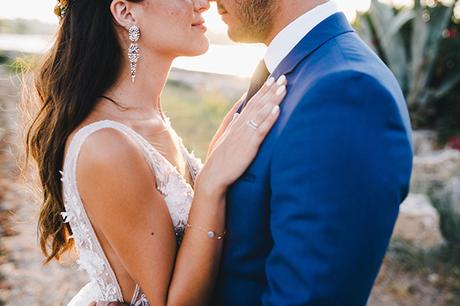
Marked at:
<point>110,164</point>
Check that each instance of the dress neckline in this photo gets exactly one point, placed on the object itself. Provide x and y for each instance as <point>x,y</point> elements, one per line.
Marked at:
<point>152,147</point>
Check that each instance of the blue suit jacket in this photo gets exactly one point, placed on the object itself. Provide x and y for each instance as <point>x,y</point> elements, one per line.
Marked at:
<point>310,220</point>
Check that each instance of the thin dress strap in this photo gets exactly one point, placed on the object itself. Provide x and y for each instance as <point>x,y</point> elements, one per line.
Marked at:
<point>91,256</point>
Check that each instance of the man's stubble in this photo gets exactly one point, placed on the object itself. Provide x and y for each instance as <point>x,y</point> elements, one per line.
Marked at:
<point>255,20</point>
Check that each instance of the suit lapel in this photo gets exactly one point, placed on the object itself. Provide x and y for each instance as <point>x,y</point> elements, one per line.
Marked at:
<point>329,28</point>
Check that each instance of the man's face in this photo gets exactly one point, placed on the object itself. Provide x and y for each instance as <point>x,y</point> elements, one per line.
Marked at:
<point>247,20</point>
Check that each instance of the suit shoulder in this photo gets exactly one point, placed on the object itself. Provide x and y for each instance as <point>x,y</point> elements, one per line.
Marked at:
<point>354,91</point>
<point>349,83</point>
<point>348,52</point>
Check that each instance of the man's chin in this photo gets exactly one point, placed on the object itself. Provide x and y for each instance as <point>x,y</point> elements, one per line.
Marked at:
<point>240,37</point>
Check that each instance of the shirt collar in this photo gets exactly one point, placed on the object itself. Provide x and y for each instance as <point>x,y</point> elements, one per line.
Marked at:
<point>293,33</point>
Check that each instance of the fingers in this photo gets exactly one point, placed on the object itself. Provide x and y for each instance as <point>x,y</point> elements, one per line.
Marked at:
<point>274,97</point>
<point>231,123</point>
<point>262,91</point>
<point>261,110</point>
<point>238,103</point>
<point>233,110</point>
<point>224,134</point>
<point>268,123</point>
<point>224,126</point>
<point>234,119</point>
<point>252,125</point>
<point>269,94</point>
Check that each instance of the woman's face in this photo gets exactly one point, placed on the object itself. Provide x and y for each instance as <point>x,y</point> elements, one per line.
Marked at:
<point>172,27</point>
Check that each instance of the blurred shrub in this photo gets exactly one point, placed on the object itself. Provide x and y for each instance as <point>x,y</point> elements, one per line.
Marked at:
<point>443,115</point>
<point>421,46</point>
<point>18,64</point>
<point>441,195</point>
<point>22,64</point>
<point>3,58</point>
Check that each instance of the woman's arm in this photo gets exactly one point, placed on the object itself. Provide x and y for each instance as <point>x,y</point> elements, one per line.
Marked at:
<point>144,239</point>
<point>198,258</point>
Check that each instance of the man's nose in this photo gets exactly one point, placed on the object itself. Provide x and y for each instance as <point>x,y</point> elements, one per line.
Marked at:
<point>202,5</point>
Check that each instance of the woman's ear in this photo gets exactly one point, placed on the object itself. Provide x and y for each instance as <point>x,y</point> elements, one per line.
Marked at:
<point>121,12</point>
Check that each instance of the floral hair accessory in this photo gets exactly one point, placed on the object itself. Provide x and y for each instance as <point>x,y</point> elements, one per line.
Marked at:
<point>61,8</point>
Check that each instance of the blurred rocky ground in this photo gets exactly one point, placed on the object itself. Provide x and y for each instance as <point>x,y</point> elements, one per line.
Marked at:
<point>24,280</point>
<point>421,267</point>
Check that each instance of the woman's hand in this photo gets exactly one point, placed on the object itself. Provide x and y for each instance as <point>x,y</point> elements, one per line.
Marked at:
<point>225,122</point>
<point>238,145</point>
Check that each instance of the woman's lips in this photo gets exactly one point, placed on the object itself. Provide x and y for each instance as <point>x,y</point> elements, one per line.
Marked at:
<point>199,26</point>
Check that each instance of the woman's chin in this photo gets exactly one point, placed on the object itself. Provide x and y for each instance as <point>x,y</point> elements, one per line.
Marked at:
<point>198,48</point>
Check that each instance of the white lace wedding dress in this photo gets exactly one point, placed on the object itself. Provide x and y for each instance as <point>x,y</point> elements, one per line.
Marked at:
<point>171,184</point>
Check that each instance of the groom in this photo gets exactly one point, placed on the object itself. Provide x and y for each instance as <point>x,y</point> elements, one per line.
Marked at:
<point>310,220</point>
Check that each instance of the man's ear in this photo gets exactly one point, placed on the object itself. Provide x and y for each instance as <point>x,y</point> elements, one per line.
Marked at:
<point>121,12</point>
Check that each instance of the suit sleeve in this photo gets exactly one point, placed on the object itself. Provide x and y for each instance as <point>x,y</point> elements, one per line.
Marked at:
<point>339,171</point>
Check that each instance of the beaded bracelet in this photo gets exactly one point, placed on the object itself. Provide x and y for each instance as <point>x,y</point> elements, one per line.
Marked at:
<point>211,234</point>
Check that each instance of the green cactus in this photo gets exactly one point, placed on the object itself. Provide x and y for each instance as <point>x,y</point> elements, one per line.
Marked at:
<point>408,41</point>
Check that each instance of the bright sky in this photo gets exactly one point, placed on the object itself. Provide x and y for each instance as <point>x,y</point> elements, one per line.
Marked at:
<point>43,10</point>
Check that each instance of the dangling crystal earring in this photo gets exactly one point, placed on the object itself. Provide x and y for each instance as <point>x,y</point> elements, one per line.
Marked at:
<point>133,50</point>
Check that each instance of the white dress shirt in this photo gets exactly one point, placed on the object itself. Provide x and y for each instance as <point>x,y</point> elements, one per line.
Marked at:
<point>293,33</point>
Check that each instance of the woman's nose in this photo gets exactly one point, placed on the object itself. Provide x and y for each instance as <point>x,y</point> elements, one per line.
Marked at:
<point>201,5</point>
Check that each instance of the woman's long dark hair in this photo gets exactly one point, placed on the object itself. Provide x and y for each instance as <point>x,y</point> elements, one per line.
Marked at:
<point>83,63</point>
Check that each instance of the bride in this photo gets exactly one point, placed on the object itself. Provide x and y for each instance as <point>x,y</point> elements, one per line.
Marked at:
<point>118,185</point>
